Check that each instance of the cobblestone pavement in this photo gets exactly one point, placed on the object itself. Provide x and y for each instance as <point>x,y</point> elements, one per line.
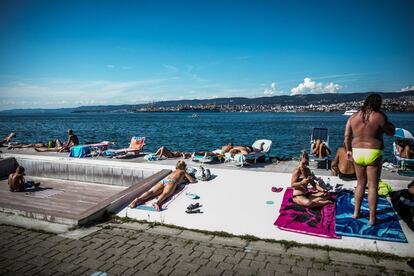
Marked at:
<point>140,250</point>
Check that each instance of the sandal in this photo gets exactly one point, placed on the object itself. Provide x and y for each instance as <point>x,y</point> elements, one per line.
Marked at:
<point>192,196</point>
<point>194,211</point>
<point>277,190</point>
<point>194,206</point>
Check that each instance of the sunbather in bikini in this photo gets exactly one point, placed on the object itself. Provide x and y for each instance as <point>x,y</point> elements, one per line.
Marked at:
<point>320,149</point>
<point>301,177</point>
<point>164,152</point>
<point>25,146</point>
<point>165,188</point>
<point>7,139</point>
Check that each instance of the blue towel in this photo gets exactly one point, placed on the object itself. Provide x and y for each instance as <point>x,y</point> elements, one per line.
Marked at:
<point>388,230</point>
<point>80,151</point>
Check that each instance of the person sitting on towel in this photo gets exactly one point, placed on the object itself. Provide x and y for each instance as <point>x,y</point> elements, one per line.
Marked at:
<point>17,182</point>
<point>164,152</point>
<point>71,142</point>
<point>342,166</point>
<point>165,188</point>
<point>7,139</point>
<point>320,149</point>
<point>301,178</point>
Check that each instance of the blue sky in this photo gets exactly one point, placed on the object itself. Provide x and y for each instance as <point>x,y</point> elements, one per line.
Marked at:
<point>71,53</point>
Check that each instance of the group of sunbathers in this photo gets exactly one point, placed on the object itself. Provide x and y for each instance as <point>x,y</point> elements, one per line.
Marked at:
<point>233,150</point>
<point>53,145</point>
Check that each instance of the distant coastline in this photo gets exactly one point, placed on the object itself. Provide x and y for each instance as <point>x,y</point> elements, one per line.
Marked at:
<point>392,102</point>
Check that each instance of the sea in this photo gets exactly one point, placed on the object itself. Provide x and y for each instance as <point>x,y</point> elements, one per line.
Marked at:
<point>290,132</point>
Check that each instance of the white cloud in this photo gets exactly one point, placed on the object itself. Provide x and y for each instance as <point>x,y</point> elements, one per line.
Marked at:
<point>272,90</point>
<point>55,93</point>
<point>110,66</point>
<point>171,68</point>
<point>407,88</point>
<point>308,86</point>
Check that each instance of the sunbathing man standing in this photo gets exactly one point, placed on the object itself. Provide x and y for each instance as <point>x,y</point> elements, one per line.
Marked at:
<point>364,143</point>
<point>165,187</point>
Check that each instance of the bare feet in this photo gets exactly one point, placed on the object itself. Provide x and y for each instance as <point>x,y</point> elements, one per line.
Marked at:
<point>134,203</point>
<point>356,215</point>
<point>156,206</point>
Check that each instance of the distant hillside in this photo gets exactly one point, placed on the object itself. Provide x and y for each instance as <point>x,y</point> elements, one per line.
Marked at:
<point>297,100</point>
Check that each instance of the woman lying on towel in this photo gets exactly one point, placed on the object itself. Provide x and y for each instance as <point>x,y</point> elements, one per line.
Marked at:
<point>165,188</point>
<point>301,177</point>
<point>164,152</point>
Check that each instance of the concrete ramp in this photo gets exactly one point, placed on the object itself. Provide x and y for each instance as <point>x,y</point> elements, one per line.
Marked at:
<point>75,193</point>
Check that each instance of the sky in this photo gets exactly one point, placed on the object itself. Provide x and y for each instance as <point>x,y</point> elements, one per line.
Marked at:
<point>71,53</point>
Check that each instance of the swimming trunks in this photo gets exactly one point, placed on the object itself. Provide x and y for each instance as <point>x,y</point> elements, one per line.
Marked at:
<point>365,157</point>
<point>167,181</point>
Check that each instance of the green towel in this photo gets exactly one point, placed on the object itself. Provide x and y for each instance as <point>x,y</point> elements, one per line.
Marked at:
<point>384,188</point>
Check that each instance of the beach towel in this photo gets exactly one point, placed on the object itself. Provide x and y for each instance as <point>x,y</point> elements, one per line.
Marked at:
<point>316,222</point>
<point>80,151</point>
<point>388,230</point>
<point>147,206</point>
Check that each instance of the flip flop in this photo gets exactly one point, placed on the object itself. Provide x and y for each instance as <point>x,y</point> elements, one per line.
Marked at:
<point>194,211</point>
<point>277,190</point>
<point>194,206</point>
<point>192,196</point>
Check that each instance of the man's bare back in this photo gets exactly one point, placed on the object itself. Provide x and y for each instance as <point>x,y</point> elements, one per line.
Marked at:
<point>367,134</point>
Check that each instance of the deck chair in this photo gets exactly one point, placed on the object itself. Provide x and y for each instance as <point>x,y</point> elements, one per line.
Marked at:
<point>401,162</point>
<point>264,147</point>
<point>322,134</point>
<point>135,147</point>
<point>98,149</point>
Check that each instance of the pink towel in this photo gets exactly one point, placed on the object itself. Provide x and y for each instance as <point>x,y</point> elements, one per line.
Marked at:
<point>317,222</point>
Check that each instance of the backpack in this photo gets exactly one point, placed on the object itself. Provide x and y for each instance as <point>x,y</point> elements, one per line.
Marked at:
<point>203,174</point>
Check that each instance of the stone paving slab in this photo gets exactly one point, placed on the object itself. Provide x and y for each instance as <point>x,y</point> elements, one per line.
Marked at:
<point>130,250</point>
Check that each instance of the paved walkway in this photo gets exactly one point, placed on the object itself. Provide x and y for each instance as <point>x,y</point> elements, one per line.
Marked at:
<point>138,249</point>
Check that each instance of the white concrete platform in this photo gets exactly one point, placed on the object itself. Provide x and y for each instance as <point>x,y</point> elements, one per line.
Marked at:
<point>235,202</point>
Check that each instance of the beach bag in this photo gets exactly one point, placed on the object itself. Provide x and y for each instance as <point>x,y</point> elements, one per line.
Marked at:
<point>51,144</point>
<point>203,174</point>
<point>191,171</point>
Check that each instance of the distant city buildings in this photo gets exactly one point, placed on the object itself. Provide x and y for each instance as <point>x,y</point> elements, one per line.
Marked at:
<point>400,104</point>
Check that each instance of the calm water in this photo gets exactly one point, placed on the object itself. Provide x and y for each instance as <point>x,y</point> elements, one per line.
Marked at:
<point>290,132</point>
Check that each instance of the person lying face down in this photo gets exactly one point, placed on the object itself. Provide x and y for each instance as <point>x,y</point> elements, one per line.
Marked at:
<point>301,178</point>
<point>165,188</point>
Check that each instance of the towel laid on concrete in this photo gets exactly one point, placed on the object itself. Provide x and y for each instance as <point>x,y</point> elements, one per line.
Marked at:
<point>316,222</point>
<point>147,206</point>
<point>388,230</point>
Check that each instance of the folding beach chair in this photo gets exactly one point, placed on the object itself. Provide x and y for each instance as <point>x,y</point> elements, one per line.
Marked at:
<point>135,147</point>
<point>322,134</point>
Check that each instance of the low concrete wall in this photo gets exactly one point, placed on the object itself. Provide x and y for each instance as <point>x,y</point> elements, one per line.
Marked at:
<point>7,166</point>
<point>93,173</point>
